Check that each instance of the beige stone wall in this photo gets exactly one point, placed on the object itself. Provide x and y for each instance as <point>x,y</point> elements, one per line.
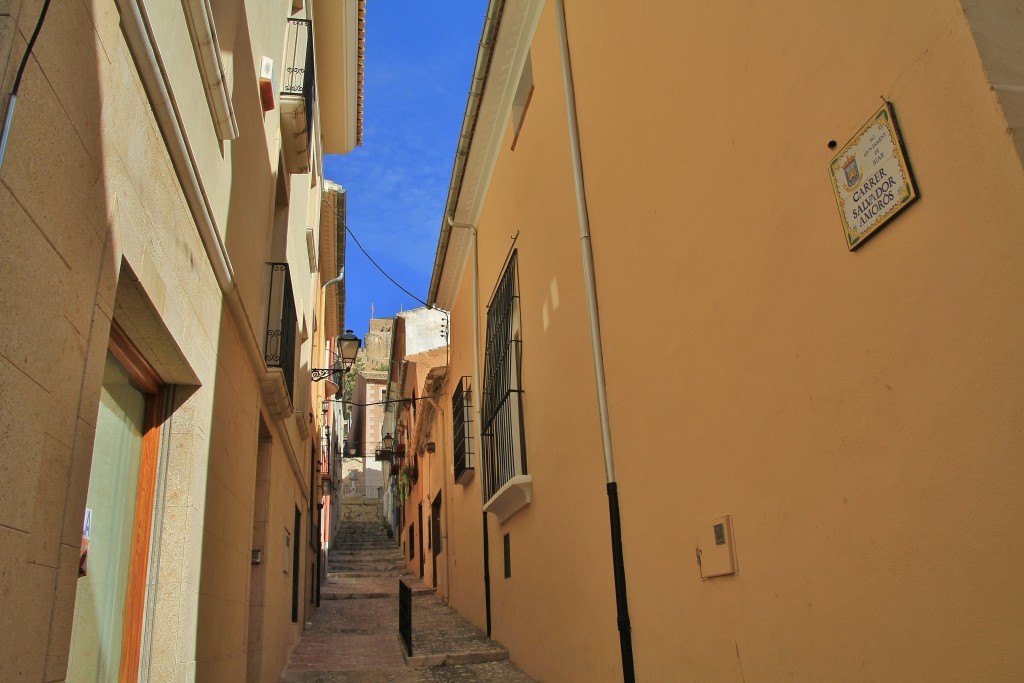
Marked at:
<point>356,509</point>
<point>855,413</point>
<point>78,201</point>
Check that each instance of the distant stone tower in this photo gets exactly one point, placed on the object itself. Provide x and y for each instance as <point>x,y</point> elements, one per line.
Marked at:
<point>377,345</point>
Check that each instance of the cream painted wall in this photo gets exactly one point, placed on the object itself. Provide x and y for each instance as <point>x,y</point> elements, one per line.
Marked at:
<point>856,413</point>
<point>89,194</point>
<point>281,633</point>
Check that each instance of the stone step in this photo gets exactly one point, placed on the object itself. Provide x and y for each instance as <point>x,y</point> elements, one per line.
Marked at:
<point>376,552</point>
<point>364,575</point>
<point>364,560</point>
<point>368,569</point>
<point>348,543</point>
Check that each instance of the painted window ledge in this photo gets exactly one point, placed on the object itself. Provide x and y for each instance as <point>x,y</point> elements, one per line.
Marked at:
<point>201,28</point>
<point>511,498</point>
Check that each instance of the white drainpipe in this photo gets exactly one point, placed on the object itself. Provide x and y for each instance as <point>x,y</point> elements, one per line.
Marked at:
<point>625,630</point>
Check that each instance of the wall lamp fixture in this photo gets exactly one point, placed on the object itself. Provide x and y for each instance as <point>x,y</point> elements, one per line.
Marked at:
<point>385,452</point>
<point>348,344</point>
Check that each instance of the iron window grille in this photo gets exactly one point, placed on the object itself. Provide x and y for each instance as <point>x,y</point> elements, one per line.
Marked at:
<point>503,436</point>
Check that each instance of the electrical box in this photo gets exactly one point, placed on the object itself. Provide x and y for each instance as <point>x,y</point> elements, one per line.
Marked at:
<point>716,550</point>
<point>267,85</point>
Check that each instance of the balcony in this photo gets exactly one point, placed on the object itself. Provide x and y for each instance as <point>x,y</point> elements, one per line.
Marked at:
<point>279,344</point>
<point>334,379</point>
<point>298,86</point>
<point>393,454</point>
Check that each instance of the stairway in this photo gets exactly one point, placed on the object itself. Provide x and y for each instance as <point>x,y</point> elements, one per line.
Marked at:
<point>353,636</point>
<point>363,549</point>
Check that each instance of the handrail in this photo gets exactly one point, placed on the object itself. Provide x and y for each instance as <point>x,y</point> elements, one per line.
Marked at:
<point>357,491</point>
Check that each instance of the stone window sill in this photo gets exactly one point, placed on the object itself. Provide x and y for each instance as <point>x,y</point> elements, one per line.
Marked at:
<point>511,498</point>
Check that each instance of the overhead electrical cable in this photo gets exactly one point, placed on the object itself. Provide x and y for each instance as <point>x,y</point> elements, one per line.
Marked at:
<point>5,132</point>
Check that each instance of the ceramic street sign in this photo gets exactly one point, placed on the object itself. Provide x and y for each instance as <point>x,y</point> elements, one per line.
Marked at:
<point>871,178</point>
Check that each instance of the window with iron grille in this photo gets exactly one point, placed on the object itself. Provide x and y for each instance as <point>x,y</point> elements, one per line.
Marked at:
<point>503,447</point>
<point>461,424</point>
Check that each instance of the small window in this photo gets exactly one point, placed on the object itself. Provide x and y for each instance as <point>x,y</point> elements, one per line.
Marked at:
<point>461,425</point>
<point>521,102</point>
<point>508,557</point>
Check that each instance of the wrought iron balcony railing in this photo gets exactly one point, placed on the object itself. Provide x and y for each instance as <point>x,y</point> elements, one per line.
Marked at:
<point>355,491</point>
<point>298,85</point>
<point>279,345</point>
<point>298,78</point>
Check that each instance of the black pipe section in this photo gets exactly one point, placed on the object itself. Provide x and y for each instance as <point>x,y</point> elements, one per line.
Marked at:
<point>487,576</point>
<point>625,630</point>
<point>12,101</point>
<point>319,553</point>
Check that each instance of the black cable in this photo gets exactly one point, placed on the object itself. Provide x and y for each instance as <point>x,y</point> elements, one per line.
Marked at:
<point>28,49</point>
<point>383,272</point>
<point>378,403</point>
<point>448,319</point>
<point>371,258</point>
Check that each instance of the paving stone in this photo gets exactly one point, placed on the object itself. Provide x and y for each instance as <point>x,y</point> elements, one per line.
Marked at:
<point>439,631</point>
<point>353,636</point>
<point>505,672</point>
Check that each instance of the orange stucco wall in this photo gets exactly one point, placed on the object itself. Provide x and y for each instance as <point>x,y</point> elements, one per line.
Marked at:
<point>858,414</point>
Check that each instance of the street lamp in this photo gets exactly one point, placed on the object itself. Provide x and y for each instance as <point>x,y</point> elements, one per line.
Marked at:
<point>385,452</point>
<point>348,344</point>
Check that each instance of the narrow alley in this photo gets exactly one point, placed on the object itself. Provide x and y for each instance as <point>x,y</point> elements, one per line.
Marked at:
<point>354,635</point>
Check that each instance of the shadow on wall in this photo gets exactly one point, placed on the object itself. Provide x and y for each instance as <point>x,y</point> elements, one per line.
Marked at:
<point>59,262</point>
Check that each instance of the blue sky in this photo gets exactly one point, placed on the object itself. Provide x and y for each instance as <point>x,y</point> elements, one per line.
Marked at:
<point>419,64</point>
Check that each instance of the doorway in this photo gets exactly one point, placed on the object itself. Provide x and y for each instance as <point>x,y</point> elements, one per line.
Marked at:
<point>295,541</point>
<point>435,535</point>
<point>106,637</point>
<point>258,569</point>
<point>420,506</point>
